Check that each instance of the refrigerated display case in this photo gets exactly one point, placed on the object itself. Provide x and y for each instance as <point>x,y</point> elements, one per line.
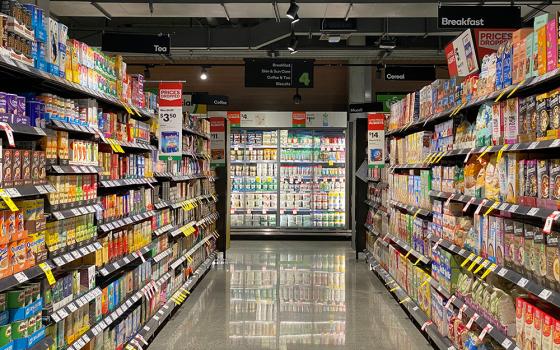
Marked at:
<point>289,179</point>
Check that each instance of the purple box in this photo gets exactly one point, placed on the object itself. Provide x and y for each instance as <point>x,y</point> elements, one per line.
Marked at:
<point>34,111</point>
<point>20,106</point>
<point>11,103</point>
<point>3,106</point>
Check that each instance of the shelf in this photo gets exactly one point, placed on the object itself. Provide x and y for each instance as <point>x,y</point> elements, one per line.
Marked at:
<point>72,128</point>
<point>527,284</point>
<point>405,246</point>
<point>441,342</point>
<point>126,182</point>
<point>75,254</point>
<point>411,209</point>
<point>206,219</point>
<point>63,312</point>
<point>495,333</point>
<point>527,85</point>
<point>196,132</point>
<point>175,264</point>
<point>253,146</point>
<point>43,344</point>
<point>408,166</point>
<point>22,277</point>
<point>162,255</point>
<point>73,169</point>
<point>196,155</point>
<point>192,200</point>
<point>163,229</point>
<point>29,190</point>
<point>117,224</point>
<point>51,81</point>
<point>252,210</point>
<point>179,230</point>
<point>109,268</point>
<point>165,311</point>
<point>23,129</point>
<point>521,210</point>
<point>114,315</point>
<point>134,146</point>
<point>254,161</point>
<point>78,211</point>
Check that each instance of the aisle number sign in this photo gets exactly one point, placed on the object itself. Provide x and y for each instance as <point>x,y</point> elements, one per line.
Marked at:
<point>170,120</point>
<point>376,140</point>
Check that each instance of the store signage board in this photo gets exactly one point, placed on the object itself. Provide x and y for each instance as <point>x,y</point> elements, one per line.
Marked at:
<point>209,100</point>
<point>218,140</point>
<point>458,17</point>
<point>286,119</point>
<point>365,107</point>
<point>461,56</point>
<point>489,40</point>
<point>170,116</point>
<point>191,107</point>
<point>376,140</point>
<point>388,99</point>
<point>278,73</point>
<point>403,73</point>
<point>136,43</point>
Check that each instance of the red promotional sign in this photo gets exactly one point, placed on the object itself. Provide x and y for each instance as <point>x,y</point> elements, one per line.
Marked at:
<point>376,140</point>
<point>298,119</point>
<point>234,118</point>
<point>376,121</point>
<point>170,94</point>
<point>488,41</point>
<point>217,124</point>
<point>451,63</point>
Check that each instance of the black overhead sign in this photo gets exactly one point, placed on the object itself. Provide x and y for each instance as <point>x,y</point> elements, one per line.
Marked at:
<point>365,107</point>
<point>211,100</point>
<point>280,73</point>
<point>479,17</point>
<point>423,73</point>
<point>135,43</point>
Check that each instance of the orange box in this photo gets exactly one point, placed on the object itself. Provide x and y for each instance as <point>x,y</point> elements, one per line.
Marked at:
<point>18,255</point>
<point>547,326</point>
<point>519,54</point>
<point>4,237</point>
<point>5,264</point>
<point>537,330</point>
<point>20,231</point>
<point>541,51</point>
<point>10,224</point>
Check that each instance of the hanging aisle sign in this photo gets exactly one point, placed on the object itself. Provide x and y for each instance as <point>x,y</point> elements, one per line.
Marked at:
<point>170,120</point>
<point>376,140</point>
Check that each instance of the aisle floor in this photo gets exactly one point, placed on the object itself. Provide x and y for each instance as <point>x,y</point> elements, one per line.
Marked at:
<point>288,296</point>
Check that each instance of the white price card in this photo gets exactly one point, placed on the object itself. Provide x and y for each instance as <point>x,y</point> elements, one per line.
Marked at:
<point>513,208</point>
<point>555,143</point>
<point>41,189</point>
<point>533,145</point>
<point>63,313</point>
<point>76,254</point>
<point>533,211</point>
<point>485,330</point>
<point>126,260</point>
<point>484,201</point>
<point>462,252</point>
<point>450,302</point>
<point>83,210</point>
<point>545,294</point>
<point>503,206</point>
<point>50,188</point>
<point>522,282</point>
<point>452,247</point>
<point>84,251</point>
<point>472,320</point>
<point>58,215</point>
<point>75,211</point>
<point>72,307</point>
<point>58,261</point>
<point>21,277</point>
<point>506,343</point>
<point>55,317</point>
<point>116,265</point>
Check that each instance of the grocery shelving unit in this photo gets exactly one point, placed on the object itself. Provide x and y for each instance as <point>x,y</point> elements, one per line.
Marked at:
<point>172,273</point>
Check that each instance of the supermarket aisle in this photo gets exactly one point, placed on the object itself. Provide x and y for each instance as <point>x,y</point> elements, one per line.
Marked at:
<point>290,295</point>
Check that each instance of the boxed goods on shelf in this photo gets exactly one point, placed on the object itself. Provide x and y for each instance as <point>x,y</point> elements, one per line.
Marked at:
<point>72,189</point>
<point>22,167</point>
<point>63,235</point>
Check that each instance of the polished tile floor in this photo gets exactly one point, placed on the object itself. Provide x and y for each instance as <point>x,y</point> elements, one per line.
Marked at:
<point>288,296</point>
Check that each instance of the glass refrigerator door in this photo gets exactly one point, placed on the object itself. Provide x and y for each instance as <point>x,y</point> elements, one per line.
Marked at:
<point>254,192</point>
<point>329,185</point>
<point>296,178</point>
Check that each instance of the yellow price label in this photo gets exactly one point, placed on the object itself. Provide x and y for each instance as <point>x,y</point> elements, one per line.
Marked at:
<point>136,111</point>
<point>185,231</point>
<point>500,95</point>
<point>8,200</point>
<point>441,157</point>
<point>484,152</point>
<point>394,289</point>
<point>516,87</point>
<point>490,269</point>
<point>404,300</point>
<point>416,214</point>
<point>119,147</point>
<point>417,261</point>
<point>112,144</point>
<point>500,152</point>
<point>481,266</point>
<point>189,259</point>
<point>425,282</point>
<point>331,163</point>
<point>469,258</point>
<point>436,157</point>
<point>48,272</point>
<point>407,254</point>
<point>475,261</point>
<point>128,110</point>
<point>426,159</point>
<point>492,207</point>
<point>257,178</point>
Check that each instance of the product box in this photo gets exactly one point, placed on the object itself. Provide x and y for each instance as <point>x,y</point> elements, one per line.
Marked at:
<point>519,54</point>
<point>7,167</point>
<point>498,111</point>
<point>556,335</point>
<point>16,167</point>
<point>52,54</point>
<point>26,167</point>
<point>540,24</point>
<point>531,55</point>
<point>511,122</point>
<point>537,328</point>
<point>551,45</point>
<point>519,320</point>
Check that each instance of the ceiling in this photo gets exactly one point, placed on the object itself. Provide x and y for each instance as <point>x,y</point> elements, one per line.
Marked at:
<point>254,28</point>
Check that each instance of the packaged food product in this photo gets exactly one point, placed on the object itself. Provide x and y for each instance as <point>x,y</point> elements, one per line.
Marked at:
<point>512,161</point>
<point>519,245</point>
<point>508,243</point>
<point>511,121</point>
<point>552,261</point>
<point>531,182</point>
<point>483,126</point>
<point>543,115</point>
<point>529,258</point>
<point>554,108</point>
<point>492,180</point>
<point>543,179</point>
<point>531,119</point>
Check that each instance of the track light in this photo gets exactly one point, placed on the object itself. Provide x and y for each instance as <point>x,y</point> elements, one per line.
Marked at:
<point>297,97</point>
<point>292,46</point>
<point>203,74</point>
<point>296,19</point>
<point>292,11</point>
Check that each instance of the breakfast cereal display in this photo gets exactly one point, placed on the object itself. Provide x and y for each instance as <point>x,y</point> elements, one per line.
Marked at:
<point>92,245</point>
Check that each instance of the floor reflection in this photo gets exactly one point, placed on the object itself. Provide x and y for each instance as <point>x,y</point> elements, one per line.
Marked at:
<point>280,300</point>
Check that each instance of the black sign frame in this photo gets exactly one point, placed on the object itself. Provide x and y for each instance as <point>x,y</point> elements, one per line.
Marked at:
<point>136,43</point>
<point>279,73</point>
<point>461,17</point>
<point>365,107</point>
<point>410,73</point>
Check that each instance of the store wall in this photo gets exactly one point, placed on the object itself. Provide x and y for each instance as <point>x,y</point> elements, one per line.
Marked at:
<point>330,92</point>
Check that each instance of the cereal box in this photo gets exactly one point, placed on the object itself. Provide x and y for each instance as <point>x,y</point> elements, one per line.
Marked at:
<point>551,45</point>
<point>540,44</point>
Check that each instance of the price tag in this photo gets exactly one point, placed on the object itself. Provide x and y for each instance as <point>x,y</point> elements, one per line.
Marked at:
<point>471,321</point>
<point>549,220</point>
<point>41,189</point>
<point>58,261</point>
<point>461,310</point>
<point>8,200</point>
<point>116,265</point>
<point>426,324</point>
<point>503,206</point>
<point>437,244</point>
<point>513,208</point>
<point>477,211</point>
<point>75,254</point>
<point>522,282</point>
<point>72,307</point>
<point>58,215</point>
<point>63,313</point>
<point>555,143</point>
<point>475,261</point>
<point>485,331</point>
<point>450,302</point>
<point>481,266</point>
<point>492,207</point>
<point>84,251</point>
<point>533,211</point>
<point>533,145</point>
<point>48,272</point>
<point>83,210</point>
<point>126,260</point>
<point>468,204</point>
<point>21,277</point>
<point>545,294</point>
<point>506,343</point>
<point>469,258</point>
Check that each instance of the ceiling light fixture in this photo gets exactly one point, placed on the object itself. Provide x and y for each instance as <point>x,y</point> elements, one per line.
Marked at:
<point>296,19</point>
<point>292,46</point>
<point>387,43</point>
<point>292,10</point>
<point>203,74</point>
